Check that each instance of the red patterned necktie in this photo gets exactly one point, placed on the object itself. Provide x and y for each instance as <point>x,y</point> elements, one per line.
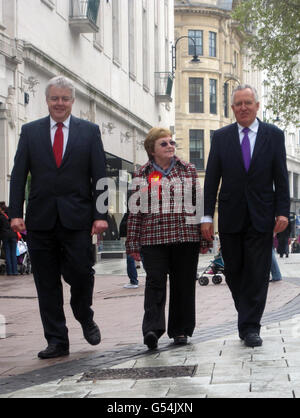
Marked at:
<point>58,144</point>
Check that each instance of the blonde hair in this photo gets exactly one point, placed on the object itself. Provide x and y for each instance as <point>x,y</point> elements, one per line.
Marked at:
<point>153,135</point>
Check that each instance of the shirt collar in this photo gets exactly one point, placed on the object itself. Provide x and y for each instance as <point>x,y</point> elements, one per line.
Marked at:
<point>253,127</point>
<point>66,123</point>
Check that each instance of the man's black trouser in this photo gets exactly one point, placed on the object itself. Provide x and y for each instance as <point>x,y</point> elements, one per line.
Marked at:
<point>68,253</point>
<point>247,260</point>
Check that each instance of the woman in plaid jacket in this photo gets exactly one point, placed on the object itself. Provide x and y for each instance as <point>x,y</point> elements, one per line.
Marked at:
<point>164,225</point>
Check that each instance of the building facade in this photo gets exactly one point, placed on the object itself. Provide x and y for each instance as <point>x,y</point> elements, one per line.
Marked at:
<point>203,90</point>
<point>117,52</point>
<point>292,145</point>
<point>292,135</point>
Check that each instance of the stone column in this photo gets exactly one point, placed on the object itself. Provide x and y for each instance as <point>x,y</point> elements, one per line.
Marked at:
<point>134,147</point>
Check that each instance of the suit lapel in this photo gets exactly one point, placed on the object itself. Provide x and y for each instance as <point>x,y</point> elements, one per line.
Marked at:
<point>260,140</point>
<point>236,145</point>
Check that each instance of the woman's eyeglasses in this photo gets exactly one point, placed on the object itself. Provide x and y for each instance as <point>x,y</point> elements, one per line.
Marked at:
<point>165,143</point>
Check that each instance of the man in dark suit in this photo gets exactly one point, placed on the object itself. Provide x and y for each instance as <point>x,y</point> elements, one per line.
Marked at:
<point>249,156</point>
<point>65,158</point>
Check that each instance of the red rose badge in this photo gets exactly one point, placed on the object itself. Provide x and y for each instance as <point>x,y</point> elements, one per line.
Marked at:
<point>154,182</point>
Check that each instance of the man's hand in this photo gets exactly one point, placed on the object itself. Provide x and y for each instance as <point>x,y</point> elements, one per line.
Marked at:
<point>18,225</point>
<point>207,231</point>
<point>99,227</point>
<point>280,224</point>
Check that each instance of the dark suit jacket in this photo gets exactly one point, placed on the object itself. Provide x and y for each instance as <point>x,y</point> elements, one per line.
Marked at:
<point>68,191</point>
<point>263,191</point>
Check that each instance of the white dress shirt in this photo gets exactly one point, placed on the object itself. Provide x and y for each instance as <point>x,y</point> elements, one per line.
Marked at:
<point>53,128</point>
<point>252,138</point>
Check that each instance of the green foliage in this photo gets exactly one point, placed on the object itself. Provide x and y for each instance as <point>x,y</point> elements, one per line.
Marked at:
<point>271,30</point>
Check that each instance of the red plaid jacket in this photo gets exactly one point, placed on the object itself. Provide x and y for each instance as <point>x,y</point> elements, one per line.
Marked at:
<point>165,219</point>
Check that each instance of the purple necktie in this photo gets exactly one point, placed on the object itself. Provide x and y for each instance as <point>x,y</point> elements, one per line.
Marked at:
<point>246,149</point>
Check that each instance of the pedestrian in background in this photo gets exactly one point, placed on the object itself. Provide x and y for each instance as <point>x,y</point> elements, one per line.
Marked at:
<point>9,239</point>
<point>168,243</point>
<point>130,261</point>
<point>295,246</point>
<point>66,159</point>
<point>249,159</point>
<point>275,270</point>
<point>3,207</point>
<point>283,242</point>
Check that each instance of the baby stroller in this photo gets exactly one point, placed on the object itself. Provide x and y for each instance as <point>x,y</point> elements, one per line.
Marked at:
<point>24,264</point>
<point>216,266</point>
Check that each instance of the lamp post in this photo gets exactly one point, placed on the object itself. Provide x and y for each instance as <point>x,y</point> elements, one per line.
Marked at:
<point>226,96</point>
<point>195,59</point>
<point>232,79</point>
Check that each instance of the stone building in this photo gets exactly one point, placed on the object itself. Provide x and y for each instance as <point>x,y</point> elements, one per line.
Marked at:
<point>203,89</point>
<point>117,52</point>
<point>292,145</point>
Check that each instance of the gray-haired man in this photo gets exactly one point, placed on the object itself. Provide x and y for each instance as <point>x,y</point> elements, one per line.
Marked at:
<point>253,202</point>
<point>65,158</point>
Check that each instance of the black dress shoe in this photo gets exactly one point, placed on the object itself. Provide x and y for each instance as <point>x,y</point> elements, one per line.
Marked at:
<point>182,340</point>
<point>253,340</point>
<point>91,333</point>
<point>54,350</point>
<point>150,339</point>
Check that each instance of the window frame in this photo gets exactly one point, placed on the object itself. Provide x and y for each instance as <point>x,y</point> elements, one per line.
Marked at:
<point>194,94</point>
<point>199,46</point>
<point>212,44</point>
<point>197,140</point>
<point>213,96</point>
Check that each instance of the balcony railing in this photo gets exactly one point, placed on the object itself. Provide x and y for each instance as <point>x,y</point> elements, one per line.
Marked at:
<point>84,15</point>
<point>163,87</point>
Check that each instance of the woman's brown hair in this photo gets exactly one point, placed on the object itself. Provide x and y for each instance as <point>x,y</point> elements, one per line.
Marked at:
<point>153,135</point>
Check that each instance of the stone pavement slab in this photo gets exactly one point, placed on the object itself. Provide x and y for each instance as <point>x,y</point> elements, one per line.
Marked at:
<point>223,363</point>
<point>225,368</point>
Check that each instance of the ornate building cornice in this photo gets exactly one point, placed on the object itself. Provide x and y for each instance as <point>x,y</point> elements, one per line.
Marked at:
<point>50,66</point>
<point>202,10</point>
<point>11,48</point>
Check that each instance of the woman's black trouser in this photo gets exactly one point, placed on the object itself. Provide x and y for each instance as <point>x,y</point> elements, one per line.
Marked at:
<point>179,261</point>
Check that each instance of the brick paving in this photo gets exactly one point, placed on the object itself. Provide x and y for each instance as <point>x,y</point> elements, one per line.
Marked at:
<point>119,313</point>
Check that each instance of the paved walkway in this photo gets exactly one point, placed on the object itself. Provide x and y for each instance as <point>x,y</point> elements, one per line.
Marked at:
<point>214,364</point>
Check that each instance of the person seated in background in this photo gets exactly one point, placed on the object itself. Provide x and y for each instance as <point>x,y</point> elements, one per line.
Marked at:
<point>9,239</point>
